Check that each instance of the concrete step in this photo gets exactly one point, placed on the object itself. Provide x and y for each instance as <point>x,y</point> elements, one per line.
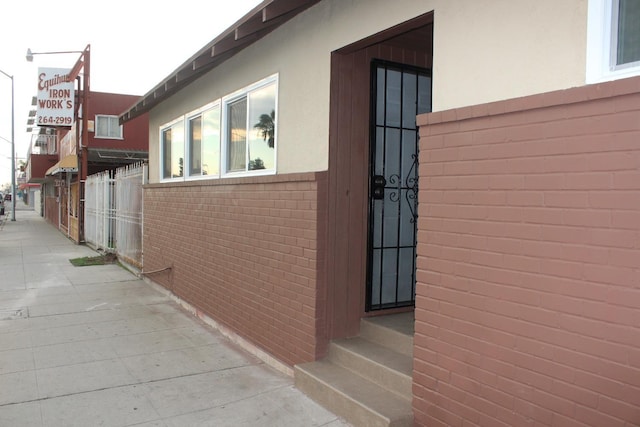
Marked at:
<point>392,331</point>
<point>359,401</point>
<point>381,365</point>
<point>367,379</point>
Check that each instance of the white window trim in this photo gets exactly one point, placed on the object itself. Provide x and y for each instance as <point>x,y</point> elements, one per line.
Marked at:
<point>224,127</point>
<point>161,150</point>
<point>95,133</point>
<point>600,45</point>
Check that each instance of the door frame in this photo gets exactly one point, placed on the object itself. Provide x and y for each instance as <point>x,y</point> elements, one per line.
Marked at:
<point>370,308</point>
<point>345,267</point>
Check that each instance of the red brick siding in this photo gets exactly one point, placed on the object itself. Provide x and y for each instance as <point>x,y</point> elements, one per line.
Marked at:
<point>248,253</point>
<point>528,301</point>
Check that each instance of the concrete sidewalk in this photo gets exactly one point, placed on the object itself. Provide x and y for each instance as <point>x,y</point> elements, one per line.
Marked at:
<point>96,346</point>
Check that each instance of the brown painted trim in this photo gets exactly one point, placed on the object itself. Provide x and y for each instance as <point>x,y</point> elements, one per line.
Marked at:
<point>382,36</point>
<point>349,162</point>
<point>563,97</point>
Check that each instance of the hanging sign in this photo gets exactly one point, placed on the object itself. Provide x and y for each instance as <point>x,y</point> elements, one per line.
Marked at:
<point>56,97</point>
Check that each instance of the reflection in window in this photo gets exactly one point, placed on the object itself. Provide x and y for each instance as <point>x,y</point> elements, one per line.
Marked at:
<point>166,153</point>
<point>231,135</point>
<point>211,142</point>
<point>173,151</point>
<point>262,119</point>
<point>195,146</point>
<point>251,130</point>
<point>204,143</point>
<point>237,135</point>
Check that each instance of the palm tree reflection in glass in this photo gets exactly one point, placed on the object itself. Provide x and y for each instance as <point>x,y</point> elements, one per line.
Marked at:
<point>267,129</point>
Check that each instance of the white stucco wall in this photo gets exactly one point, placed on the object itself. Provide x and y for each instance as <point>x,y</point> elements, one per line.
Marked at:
<point>34,201</point>
<point>487,51</point>
<point>483,52</point>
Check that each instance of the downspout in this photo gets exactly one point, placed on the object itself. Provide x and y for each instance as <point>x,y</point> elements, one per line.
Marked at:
<point>85,138</point>
<point>82,141</point>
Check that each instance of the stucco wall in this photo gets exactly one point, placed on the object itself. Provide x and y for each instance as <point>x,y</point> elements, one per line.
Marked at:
<point>483,51</point>
<point>528,294</point>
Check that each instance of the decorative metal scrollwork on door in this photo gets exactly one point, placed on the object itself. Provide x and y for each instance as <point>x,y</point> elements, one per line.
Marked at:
<point>410,186</point>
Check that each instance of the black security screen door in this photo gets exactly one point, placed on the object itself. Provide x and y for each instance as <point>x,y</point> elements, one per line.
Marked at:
<point>399,93</point>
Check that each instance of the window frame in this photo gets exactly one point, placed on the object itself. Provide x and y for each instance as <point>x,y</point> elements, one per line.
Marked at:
<point>232,98</point>
<point>108,117</point>
<point>602,44</point>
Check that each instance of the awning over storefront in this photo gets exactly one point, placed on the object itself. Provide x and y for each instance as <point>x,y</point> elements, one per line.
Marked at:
<point>67,164</point>
<point>27,185</point>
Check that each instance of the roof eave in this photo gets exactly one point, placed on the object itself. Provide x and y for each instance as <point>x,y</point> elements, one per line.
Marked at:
<point>257,23</point>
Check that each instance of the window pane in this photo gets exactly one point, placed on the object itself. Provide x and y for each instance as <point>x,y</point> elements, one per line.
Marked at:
<point>172,146</point>
<point>195,146</point>
<point>409,101</point>
<point>424,94</point>
<point>211,142</point>
<point>380,94</point>
<point>107,127</point>
<point>102,126</point>
<point>177,150</point>
<point>262,136</point>
<point>166,153</point>
<point>114,127</point>
<point>394,93</point>
<point>237,136</point>
<point>628,31</point>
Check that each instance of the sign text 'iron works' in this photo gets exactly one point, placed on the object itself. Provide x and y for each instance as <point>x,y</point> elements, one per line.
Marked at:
<point>56,97</point>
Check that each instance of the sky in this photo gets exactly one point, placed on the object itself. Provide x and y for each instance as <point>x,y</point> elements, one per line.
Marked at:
<point>134,45</point>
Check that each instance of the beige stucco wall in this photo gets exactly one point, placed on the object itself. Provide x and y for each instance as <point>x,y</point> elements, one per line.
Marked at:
<point>483,51</point>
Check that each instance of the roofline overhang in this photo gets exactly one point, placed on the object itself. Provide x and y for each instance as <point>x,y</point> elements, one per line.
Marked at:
<point>68,164</point>
<point>260,21</point>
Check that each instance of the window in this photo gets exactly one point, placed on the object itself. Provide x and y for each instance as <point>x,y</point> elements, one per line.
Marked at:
<point>108,127</point>
<point>237,135</point>
<point>172,151</point>
<point>250,123</point>
<point>613,40</point>
<point>234,136</point>
<point>204,142</point>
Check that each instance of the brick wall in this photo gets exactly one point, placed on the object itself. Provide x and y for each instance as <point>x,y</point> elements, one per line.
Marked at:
<point>247,252</point>
<point>528,301</point>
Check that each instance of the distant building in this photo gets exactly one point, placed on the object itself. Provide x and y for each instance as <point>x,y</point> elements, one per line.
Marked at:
<point>54,161</point>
